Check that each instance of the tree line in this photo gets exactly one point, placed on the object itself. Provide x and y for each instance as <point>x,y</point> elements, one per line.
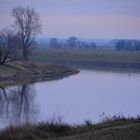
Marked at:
<point>16,40</point>
<point>128,45</point>
<point>72,43</point>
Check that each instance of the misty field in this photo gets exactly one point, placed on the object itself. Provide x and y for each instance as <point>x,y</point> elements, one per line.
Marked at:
<point>90,58</point>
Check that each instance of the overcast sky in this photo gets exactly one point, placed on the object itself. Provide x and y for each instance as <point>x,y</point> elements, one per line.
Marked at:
<point>82,18</point>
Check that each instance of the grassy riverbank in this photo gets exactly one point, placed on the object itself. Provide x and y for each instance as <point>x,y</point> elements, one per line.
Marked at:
<point>90,59</point>
<point>112,129</point>
<point>16,72</point>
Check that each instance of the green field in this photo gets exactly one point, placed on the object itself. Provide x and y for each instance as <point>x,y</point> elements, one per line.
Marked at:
<point>90,58</point>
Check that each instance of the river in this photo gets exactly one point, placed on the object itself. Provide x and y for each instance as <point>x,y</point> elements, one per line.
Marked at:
<point>87,95</point>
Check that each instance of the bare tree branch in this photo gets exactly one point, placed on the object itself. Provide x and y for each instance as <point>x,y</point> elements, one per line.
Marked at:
<point>28,26</point>
<point>6,45</point>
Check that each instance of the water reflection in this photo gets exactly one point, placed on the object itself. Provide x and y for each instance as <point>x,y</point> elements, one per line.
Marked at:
<point>79,97</point>
<point>17,104</point>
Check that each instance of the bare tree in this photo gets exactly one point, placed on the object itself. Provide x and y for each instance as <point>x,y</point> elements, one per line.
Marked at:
<point>54,43</point>
<point>7,40</point>
<point>72,42</point>
<point>28,25</point>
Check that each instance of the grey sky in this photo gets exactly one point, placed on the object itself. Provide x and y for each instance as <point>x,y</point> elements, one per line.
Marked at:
<point>84,18</point>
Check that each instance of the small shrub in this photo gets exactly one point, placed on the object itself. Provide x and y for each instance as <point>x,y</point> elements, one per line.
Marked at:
<point>88,122</point>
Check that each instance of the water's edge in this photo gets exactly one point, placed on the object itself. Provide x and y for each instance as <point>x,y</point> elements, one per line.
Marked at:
<point>37,77</point>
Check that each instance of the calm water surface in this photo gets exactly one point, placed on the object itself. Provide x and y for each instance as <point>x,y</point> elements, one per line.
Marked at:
<point>83,96</point>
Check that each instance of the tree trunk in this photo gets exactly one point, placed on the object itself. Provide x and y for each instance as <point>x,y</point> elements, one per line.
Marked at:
<point>25,54</point>
<point>2,62</point>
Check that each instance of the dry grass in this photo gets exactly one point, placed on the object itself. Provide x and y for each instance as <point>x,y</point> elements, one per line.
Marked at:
<point>18,71</point>
<point>114,129</point>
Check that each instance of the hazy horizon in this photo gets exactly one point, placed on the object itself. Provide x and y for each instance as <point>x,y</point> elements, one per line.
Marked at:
<point>83,38</point>
<point>91,19</point>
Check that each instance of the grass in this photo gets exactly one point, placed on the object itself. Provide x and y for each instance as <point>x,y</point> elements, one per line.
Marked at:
<point>19,71</point>
<point>116,128</point>
<point>89,58</point>
<point>87,55</point>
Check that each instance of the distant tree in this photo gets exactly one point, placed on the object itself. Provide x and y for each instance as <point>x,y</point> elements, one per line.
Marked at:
<point>92,45</point>
<point>28,25</point>
<point>7,45</point>
<point>128,45</point>
<point>137,45</point>
<point>54,43</point>
<point>86,45</point>
<point>120,45</point>
<point>72,42</point>
<point>83,45</point>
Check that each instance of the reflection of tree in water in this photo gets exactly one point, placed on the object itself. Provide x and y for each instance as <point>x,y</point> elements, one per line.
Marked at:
<point>17,104</point>
<point>4,103</point>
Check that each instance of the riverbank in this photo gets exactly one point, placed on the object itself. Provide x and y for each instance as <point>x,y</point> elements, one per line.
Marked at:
<point>91,59</point>
<point>112,129</point>
<point>19,72</point>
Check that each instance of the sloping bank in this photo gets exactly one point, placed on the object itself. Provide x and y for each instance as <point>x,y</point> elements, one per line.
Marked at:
<point>18,72</point>
<point>120,129</point>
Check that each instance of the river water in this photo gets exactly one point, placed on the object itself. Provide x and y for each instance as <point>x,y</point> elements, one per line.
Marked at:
<point>87,95</point>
